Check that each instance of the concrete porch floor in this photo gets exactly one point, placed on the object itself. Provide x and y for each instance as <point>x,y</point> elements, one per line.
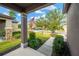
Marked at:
<point>24,52</point>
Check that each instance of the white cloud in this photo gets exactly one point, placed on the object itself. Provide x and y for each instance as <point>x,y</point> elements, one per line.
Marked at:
<point>43,15</point>
<point>50,7</point>
<point>37,17</point>
<point>6,13</point>
<point>40,12</point>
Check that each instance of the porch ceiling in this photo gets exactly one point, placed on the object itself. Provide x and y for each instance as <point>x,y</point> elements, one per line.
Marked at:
<point>25,7</point>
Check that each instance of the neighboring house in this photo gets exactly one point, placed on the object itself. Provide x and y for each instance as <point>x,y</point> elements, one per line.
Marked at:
<point>32,24</point>
<point>8,25</point>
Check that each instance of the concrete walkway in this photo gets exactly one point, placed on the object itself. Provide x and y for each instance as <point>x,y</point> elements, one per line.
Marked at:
<point>24,52</point>
<point>46,48</point>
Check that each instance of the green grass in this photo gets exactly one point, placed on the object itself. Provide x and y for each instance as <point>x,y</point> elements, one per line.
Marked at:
<point>43,36</point>
<point>6,45</point>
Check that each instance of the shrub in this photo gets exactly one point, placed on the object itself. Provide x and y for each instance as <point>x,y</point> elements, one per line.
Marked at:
<point>36,39</point>
<point>58,45</point>
<point>33,42</point>
<point>32,35</point>
<point>17,34</point>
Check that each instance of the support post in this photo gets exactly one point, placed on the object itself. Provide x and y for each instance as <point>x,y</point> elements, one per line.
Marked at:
<point>24,30</point>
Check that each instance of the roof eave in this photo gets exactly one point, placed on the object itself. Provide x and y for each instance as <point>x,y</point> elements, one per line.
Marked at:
<point>66,7</point>
<point>6,16</point>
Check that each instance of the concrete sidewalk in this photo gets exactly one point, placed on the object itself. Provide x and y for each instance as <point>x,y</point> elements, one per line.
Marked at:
<point>24,52</point>
<point>46,48</point>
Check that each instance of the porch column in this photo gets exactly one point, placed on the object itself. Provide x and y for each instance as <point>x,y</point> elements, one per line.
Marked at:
<point>73,29</point>
<point>24,30</point>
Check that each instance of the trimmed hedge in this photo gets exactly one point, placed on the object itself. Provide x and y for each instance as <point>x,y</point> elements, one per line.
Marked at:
<point>58,45</point>
<point>33,42</point>
<point>60,48</point>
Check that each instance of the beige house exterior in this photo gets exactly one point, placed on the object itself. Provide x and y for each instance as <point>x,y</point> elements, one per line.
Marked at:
<point>72,11</point>
<point>8,25</point>
<point>15,25</point>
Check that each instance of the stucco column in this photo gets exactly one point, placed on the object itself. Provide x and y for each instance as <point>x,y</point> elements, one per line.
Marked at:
<point>73,29</point>
<point>8,29</point>
<point>24,30</point>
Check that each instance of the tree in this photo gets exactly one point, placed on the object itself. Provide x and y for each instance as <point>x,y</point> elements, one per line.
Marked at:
<point>41,22</point>
<point>12,14</point>
<point>55,20</point>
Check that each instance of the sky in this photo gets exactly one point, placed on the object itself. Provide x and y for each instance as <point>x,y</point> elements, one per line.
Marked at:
<point>41,12</point>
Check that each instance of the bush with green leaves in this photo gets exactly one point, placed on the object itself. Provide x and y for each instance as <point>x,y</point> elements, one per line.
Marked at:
<point>32,35</point>
<point>58,45</point>
<point>33,42</point>
<point>17,34</point>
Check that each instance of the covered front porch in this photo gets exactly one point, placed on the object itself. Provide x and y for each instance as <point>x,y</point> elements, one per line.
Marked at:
<point>24,9</point>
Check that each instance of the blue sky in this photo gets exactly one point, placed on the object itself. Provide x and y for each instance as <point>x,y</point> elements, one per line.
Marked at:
<point>42,12</point>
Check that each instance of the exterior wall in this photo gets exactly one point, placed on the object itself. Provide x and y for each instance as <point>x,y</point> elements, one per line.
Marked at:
<point>73,29</point>
<point>8,29</point>
<point>15,27</point>
<point>2,24</point>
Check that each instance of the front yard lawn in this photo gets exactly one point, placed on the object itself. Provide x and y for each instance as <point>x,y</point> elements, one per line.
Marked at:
<point>7,45</point>
<point>43,35</point>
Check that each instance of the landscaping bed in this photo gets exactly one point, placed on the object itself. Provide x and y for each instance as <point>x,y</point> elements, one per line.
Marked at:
<point>59,47</point>
<point>8,46</point>
<point>37,39</point>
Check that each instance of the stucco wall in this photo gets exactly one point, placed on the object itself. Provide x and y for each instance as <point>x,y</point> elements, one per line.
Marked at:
<point>73,29</point>
<point>8,24</point>
<point>15,26</point>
